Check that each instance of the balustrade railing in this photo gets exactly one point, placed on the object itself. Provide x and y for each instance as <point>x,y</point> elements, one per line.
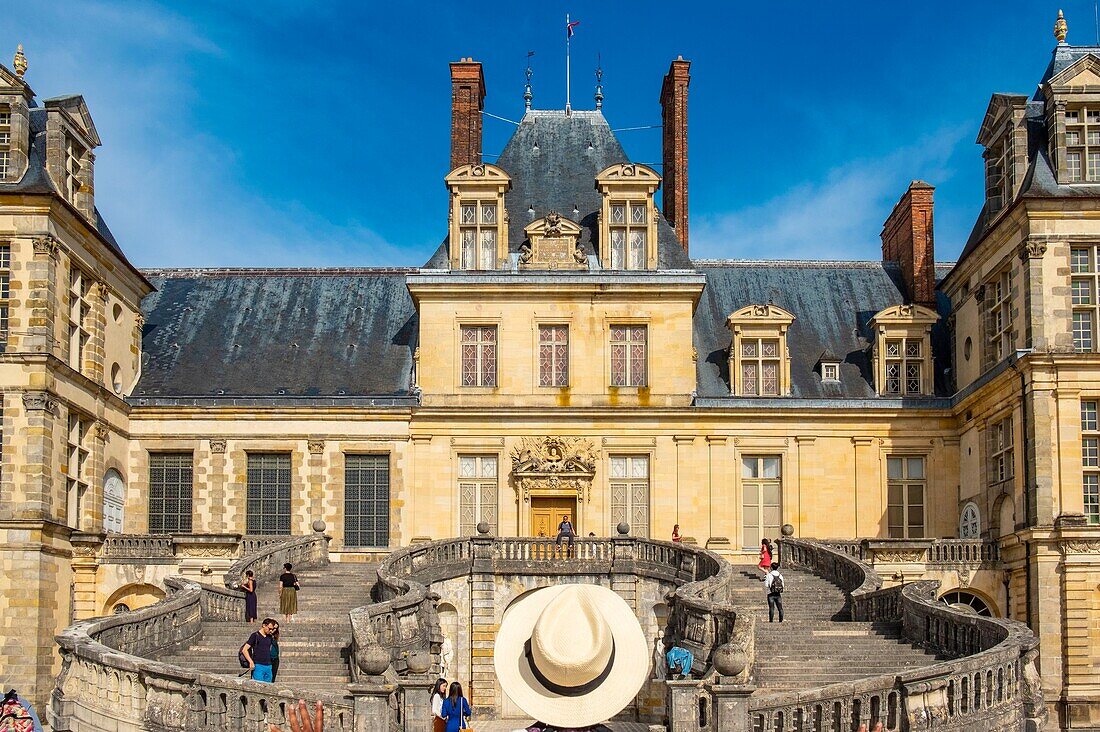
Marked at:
<point>963,551</point>
<point>267,562</point>
<point>109,680</point>
<point>991,680</point>
<point>138,546</point>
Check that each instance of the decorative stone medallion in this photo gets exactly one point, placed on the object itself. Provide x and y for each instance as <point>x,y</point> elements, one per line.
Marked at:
<point>554,465</point>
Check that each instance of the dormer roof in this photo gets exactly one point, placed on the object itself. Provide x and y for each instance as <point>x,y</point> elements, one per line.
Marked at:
<point>999,104</point>
<point>76,110</point>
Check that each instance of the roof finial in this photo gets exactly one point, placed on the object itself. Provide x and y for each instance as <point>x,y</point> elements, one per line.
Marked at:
<point>19,63</point>
<point>527,96</point>
<point>599,82</point>
<point>1060,28</point>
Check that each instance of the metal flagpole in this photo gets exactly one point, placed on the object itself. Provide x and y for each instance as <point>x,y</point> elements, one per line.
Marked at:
<point>567,34</point>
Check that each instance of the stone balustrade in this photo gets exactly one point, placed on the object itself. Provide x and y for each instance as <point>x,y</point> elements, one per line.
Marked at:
<point>109,680</point>
<point>137,546</point>
<point>991,683</point>
<point>267,562</point>
<point>970,553</point>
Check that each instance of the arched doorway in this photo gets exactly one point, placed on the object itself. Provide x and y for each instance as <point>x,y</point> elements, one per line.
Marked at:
<point>114,498</point>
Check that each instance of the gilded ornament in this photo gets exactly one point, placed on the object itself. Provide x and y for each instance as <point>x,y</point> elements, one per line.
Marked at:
<point>19,62</point>
<point>1060,28</point>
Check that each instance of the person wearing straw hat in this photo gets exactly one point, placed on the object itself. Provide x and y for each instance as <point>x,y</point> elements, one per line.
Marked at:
<point>571,655</point>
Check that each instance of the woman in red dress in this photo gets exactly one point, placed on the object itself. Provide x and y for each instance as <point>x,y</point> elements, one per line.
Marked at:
<point>765,564</point>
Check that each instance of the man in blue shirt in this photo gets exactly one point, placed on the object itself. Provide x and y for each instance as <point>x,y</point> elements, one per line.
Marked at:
<point>257,650</point>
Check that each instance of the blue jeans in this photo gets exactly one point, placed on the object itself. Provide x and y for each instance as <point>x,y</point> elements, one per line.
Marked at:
<point>775,602</point>
<point>262,672</point>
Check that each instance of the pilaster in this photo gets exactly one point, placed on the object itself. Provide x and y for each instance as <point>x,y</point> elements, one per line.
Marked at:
<point>40,412</point>
<point>42,298</point>
<point>217,483</point>
<point>316,470</point>
<point>484,694</point>
<point>867,498</point>
<point>85,565</point>
<point>719,511</point>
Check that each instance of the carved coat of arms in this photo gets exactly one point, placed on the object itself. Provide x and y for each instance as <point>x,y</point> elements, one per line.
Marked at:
<point>553,464</point>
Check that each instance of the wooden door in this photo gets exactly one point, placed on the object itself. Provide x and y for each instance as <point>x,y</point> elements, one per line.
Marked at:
<point>546,513</point>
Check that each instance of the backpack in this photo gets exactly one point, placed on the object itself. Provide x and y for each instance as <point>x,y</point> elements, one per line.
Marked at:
<point>240,657</point>
<point>777,584</point>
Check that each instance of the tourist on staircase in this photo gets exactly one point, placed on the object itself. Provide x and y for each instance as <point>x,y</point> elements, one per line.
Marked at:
<point>249,587</point>
<point>565,531</point>
<point>456,710</point>
<point>438,695</point>
<point>676,538</point>
<point>257,650</point>
<point>288,596</point>
<point>765,556</point>
<point>275,654</point>
<point>773,585</point>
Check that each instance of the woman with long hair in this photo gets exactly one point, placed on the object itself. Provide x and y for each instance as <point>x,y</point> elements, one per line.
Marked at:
<point>288,594</point>
<point>456,710</point>
<point>765,564</point>
<point>249,587</point>
<point>439,693</point>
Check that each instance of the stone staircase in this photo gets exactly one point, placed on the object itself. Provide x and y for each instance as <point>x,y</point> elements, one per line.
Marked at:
<point>312,645</point>
<point>817,644</point>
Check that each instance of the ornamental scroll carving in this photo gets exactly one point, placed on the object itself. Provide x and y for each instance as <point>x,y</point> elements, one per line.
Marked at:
<point>554,465</point>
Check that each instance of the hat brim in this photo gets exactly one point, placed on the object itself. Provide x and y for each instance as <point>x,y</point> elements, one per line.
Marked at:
<point>621,685</point>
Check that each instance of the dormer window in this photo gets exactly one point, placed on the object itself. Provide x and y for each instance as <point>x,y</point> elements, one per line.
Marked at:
<point>1083,144</point>
<point>479,222</point>
<point>759,359</point>
<point>74,152</point>
<point>903,350</point>
<point>628,221</point>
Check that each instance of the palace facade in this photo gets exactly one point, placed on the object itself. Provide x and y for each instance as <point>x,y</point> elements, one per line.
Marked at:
<point>562,354</point>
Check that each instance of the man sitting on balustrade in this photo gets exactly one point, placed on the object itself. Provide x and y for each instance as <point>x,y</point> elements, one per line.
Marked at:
<point>565,531</point>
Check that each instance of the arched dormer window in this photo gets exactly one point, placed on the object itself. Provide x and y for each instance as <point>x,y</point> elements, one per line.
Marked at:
<point>760,363</point>
<point>970,522</point>
<point>478,220</point>
<point>628,218</point>
<point>903,350</point>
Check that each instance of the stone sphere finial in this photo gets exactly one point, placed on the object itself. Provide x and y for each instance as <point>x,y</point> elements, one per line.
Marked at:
<point>1060,28</point>
<point>419,662</point>
<point>319,526</point>
<point>483,528</point>
<point>372,660</point>
<point>19,63</point>
<point>787,530</point>
<point>729,660</point>
<point>623,528</point>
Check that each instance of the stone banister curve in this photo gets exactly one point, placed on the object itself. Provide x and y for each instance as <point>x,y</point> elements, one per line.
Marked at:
<point>109,681</point>
<point>401,627</point>
<point>989,682</point>
<point>268,559</point>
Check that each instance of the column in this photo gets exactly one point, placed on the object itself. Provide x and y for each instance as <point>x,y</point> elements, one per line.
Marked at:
<point>315,471</point>
<point>95,354</point>
<point>371,697</point>
<point>793,512</point>
<point>484,694</point>
<point>43,300</point>
<point>217,488</point>
<point>719,512</point>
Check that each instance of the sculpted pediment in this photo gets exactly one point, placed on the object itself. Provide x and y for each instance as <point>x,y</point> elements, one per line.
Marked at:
<point>553,242</point>
<point>554,466</point>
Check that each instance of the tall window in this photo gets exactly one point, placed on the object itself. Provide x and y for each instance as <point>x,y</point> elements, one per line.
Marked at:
<point>904,364</point>
<point>1090,460</point>
<point>760,366</point>
<point>170,485</point>
<point>5,292</point>
<point>1083,144</point>
<point>80,310</point>
<point>999,318</point>
<point>628,355</point>
<point>1000,450</point>
<point>478,230</point>
<point>268,493</point>
<point>479,355</point>
<point>477,493</point>
<point>78,467</point>
<point>5,142</point>
<point>73,155</point>
<point>367,500</point>
<point>628,226</point>
<point>970,522</point>
<point>553,355</point>
<point>762,490</point>
<point>999,175</point>
<point>114,501</point>
<point>905,489</point>
<point>1083,265</point>
<point>629,482</point>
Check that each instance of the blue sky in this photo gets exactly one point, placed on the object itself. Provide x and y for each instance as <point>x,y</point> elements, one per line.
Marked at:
<point>308,134</point>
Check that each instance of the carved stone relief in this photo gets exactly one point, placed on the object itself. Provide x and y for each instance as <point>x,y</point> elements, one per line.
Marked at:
<point>554,465</point>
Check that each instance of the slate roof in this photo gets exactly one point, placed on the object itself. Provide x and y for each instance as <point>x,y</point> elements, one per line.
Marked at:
<point>293,333</point>
<point>552,159</point>
<point>37,181</point>
<point>832,303</point>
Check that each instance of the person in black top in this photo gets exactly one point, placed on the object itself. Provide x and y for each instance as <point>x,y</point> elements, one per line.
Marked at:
<point>565,531</point>
<point>257,650</point>
<point>288,595</point>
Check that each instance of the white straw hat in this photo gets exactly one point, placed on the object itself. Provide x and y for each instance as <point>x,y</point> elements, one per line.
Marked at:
<point>571,655</point>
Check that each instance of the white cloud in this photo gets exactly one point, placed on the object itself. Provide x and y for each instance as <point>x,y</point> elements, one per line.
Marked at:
<point>837,217</point>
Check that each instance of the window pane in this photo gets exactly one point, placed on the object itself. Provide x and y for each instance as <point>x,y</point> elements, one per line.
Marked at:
<point>894,494</point>
<point>1073,166</point>
<point>1082,330</point>
<point>1082,291</point>
<point>637,214</point>
<point>618,213</point>
<point>468,214</point>
<point>748,347</point>
<point>915,468</point>
<point>488,248</point>
<point>488,213</point>
<point>1080,261</point>
<point>771,467</point>
<point>1088,416</point>
<point>637,250</point>
<point>1090,452</point>
<point>750,467</point>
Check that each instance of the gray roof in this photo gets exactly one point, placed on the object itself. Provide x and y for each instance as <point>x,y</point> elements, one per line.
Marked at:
<point>273,333</point>
<point>553,159</point>
<point>832,303</point>
<point>36,180</point>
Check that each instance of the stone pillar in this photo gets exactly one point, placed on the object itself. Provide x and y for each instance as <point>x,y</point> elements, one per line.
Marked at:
<point>731,707</point>
<point>419,447</point>
<point>43,300</point>
<point>808,471</point>
<point>316,471</point>
<point>483,693</point>
<point>416,710</point>
<point>683,705</point>
<point>95,354</point>
<point>371,699</point>
<point>92,509</point>
<point>216,482</point>
<point>84,200</point>
<point>1081,548</point>
<point>85,564</point>
<point>720,480</point>
<point>36,496</point>
<point>867,502</point>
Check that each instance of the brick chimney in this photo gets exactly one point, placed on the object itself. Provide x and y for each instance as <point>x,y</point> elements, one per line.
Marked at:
<point>674,121</point>
<point>467,101</point>
<point>907,239</point>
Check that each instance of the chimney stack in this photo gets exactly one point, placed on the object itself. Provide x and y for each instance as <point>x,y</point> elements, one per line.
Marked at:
<point>674,121</point>
<point>907,239</point>
<point>467,101</point>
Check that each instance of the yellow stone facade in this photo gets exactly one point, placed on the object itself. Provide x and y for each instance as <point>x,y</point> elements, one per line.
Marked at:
<point>653,454</point>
